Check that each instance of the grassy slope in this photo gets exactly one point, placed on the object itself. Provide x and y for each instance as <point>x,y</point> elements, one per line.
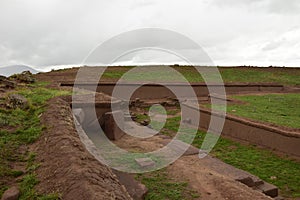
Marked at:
<point>243,75</point>
<point>280,109</point>
<point>24,129</point>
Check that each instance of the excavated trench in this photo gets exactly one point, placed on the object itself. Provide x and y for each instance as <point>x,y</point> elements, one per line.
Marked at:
<point>256,133</point>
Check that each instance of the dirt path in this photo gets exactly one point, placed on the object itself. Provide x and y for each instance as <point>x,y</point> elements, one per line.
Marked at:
<point>209,183</point>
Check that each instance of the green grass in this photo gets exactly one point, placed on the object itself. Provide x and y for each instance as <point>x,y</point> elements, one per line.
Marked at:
<point>261,75</point>
<point>260,162</point>
<point>163,187</point>
<point>242,75</point>
<point>22,128</point>
<point>28,192</point>
<point>280,109</point>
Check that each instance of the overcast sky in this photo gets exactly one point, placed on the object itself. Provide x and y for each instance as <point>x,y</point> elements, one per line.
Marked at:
<point>233,32</point>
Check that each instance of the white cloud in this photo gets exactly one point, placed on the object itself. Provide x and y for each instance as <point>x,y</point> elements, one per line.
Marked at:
<point>233,32</point>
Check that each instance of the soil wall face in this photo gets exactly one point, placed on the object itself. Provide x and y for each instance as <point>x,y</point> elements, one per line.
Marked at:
<point>67,168</point>
<point>153,91</point>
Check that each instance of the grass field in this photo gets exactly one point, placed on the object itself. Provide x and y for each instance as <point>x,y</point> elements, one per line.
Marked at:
<point>241,75</point>
<point>280,109</point>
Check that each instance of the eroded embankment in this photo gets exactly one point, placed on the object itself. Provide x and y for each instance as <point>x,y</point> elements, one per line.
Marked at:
<point>66,167</point>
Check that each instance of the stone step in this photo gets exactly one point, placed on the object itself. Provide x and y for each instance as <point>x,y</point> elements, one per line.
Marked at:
<point>268,189</point>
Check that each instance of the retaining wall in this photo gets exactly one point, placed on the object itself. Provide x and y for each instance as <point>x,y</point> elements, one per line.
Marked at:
<point>154,91</point>
<point>284,141</point>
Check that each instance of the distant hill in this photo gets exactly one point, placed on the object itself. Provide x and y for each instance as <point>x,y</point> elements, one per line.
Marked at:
<point>16,69</point>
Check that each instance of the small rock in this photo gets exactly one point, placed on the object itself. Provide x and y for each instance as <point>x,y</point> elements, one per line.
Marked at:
<point>172,104</point>
<point>9,84</point>
<point>2,78</point>
<point>12,193</point>
<point>145,162</point>
<point>279,198</point>
<point>25,77</point>
<point>187,121</point>
<point>246,180</point>
<point>145,122</point>
<point>17,101</point>
<point>137,100</point>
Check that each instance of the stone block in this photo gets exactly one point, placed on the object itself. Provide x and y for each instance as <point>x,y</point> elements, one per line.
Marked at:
<point>17,101</point>
<point>111,128</point>
<point>145,162</point>
<point>79,114</point>
<point>269,189</point>
<point>9,84</point>
<point>12,193</point>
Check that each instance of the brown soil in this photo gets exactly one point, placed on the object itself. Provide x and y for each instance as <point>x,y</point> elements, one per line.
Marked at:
<point>209,183</point>
<point>66,167</point>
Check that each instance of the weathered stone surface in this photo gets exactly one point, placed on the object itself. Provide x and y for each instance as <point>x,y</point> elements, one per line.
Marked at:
<point>187,121</point>
<point>79,114</point>
<point>2,78</point>
<point>93,126</point>
<point>12,193</point>
<point>279,198</point>
<point>135,189</point>
<point>145,122</point>
<point>179,146</point>
<point>247,180</point>
<point>127,117</point>
<point>9,84</point>
<point>17,101</point>
<point>25,77</point>
<point>111,128</point>
<point>217,96</point>
<point>145,162</point>
<point>269,189</point>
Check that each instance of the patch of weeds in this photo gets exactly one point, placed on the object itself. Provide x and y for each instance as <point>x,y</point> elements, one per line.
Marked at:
<point>28,192</point>
<point>163,187</point>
